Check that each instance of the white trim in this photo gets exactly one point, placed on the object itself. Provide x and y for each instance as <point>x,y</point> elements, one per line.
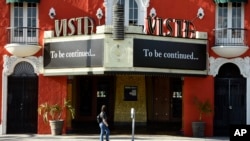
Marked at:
<point>102,70</point>
<point>8,68</point>
<point>229,34</point>
<point>3,124</point>
<point>229,10</point>
<point>25,7</point>
<point>25,21</point>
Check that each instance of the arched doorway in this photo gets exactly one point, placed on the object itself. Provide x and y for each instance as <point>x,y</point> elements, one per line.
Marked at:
<point>22,99</point>
<point>229,99</point>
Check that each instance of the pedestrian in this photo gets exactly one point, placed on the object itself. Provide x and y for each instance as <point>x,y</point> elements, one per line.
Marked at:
<point>104,124</point>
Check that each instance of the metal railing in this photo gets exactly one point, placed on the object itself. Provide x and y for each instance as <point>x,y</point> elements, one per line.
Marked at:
<point>23,35</point>
<point>230,37</point>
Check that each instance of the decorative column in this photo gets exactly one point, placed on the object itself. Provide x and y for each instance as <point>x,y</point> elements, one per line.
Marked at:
<point>145,4</point>
<point>108,11</point>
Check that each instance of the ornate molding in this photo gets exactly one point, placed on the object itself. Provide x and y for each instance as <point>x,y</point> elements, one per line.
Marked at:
<point>242,63</point>
<point>11,61</point>
<point>145,3</point>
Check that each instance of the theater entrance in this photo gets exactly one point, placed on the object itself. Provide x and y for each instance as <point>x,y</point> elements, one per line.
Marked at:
<point>91,92</point>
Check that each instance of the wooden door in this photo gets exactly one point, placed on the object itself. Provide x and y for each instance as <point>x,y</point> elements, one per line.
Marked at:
<point>161,99</point>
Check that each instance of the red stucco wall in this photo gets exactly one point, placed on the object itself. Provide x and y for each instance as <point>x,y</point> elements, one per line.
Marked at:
<point>4,22</point>
<point>203,89</point>
<point>52,90</point>
<point>247,26</point>
<point>187,10</point>
<point>68,9</point>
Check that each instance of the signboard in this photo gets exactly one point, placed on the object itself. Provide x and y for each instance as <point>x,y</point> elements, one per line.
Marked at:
<point>74,54</point>
<point>74,26</point>
<point>169,27</point>
<point>130,93</point>
<point>170,55</point>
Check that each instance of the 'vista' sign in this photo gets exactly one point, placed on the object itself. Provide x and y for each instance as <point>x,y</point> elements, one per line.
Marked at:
<point>170,27</point>
<point>154,26</point>
<point>74,26</point>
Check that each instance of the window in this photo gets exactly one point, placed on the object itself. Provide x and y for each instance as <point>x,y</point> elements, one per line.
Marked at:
<point>229,23</point>
<point>131,9</point>
<point>134,11</point>
<point>24,22</point>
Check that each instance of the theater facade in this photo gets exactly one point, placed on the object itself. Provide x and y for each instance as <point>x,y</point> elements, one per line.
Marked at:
<point>141,54</point>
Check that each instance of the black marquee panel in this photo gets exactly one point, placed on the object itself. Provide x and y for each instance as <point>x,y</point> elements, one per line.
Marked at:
<point>169,55</point>
<point>74,54</point>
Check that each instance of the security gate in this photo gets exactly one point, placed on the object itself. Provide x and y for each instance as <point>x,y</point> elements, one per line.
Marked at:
<point>230,104</point>
<point>22,100</point>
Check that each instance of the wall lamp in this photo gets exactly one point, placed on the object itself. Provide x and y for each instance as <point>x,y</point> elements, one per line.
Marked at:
<point>200,14</point>
<point>152,13</point>
<point>52,13</point>
<point>99,14</point>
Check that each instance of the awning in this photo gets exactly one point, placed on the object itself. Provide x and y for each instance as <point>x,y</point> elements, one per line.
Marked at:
<point>225,1</point>
<point>30,1</point>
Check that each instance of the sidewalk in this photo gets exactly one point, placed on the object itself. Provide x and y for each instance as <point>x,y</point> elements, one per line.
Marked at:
<point>95,137</point>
